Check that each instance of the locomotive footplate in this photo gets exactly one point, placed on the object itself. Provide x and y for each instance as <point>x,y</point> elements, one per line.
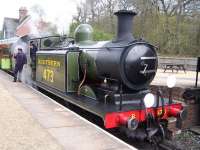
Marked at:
<point>91,105</point>
<point>112,97</point>
<point>111,114</point>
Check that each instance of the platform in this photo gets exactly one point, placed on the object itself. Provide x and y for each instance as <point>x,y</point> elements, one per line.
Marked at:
<point>184,80</point>
<point>31,120</point>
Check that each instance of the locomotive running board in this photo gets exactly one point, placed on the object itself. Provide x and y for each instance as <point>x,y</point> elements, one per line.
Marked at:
<point>94,106</point>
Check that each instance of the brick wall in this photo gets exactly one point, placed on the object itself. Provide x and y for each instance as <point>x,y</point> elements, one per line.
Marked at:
<point>176,91</point>
<point>193,116</point>
<point>193,109</point>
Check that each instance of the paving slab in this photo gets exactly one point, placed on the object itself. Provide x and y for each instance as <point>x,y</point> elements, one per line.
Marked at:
<point>184,80</point>
<point>41,123</point>
<point>18,129</point>
<point>67,135</point>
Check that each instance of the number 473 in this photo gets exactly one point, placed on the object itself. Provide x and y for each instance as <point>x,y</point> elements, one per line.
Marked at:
<point>48,75</point>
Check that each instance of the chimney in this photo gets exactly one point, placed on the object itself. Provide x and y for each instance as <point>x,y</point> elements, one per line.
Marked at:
<point>23,12</point>
<point>125,24</point>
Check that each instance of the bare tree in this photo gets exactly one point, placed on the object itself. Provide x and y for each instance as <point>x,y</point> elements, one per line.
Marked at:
<point>172,8</point>
<point>173,25</point>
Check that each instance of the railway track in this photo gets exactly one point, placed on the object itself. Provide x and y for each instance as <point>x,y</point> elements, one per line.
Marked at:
<point>168,145</point>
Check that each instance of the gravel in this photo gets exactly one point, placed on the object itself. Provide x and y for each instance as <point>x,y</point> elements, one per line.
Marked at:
<point>188,140</point>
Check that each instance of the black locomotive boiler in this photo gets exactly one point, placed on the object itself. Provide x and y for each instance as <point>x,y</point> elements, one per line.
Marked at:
<point>108,78</point>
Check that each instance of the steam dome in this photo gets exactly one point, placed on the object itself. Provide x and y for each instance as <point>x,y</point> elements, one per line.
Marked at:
<point>83,33</point>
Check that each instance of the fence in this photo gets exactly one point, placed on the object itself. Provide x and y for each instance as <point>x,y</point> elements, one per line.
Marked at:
<point>189,63</point>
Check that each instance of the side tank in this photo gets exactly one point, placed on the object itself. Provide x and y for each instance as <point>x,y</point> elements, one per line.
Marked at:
<point>124,60</point>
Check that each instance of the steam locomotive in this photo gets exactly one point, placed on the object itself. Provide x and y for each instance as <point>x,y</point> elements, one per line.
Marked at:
<point>107,78</point>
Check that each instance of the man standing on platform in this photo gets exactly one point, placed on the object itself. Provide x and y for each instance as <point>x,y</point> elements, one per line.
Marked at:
<point>20,60</point>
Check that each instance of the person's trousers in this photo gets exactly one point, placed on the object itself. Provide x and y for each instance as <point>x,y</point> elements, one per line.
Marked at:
<point>16,71</point>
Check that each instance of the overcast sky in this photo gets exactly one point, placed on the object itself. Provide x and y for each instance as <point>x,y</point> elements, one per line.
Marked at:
<point>58,11</point>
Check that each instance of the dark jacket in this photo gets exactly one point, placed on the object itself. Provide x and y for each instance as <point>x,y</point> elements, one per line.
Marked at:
<point>20,59</point>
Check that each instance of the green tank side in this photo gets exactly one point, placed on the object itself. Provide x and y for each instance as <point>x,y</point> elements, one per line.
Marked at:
<point>58,69</point>
<point>50,70</point>
<point>72,71</point>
